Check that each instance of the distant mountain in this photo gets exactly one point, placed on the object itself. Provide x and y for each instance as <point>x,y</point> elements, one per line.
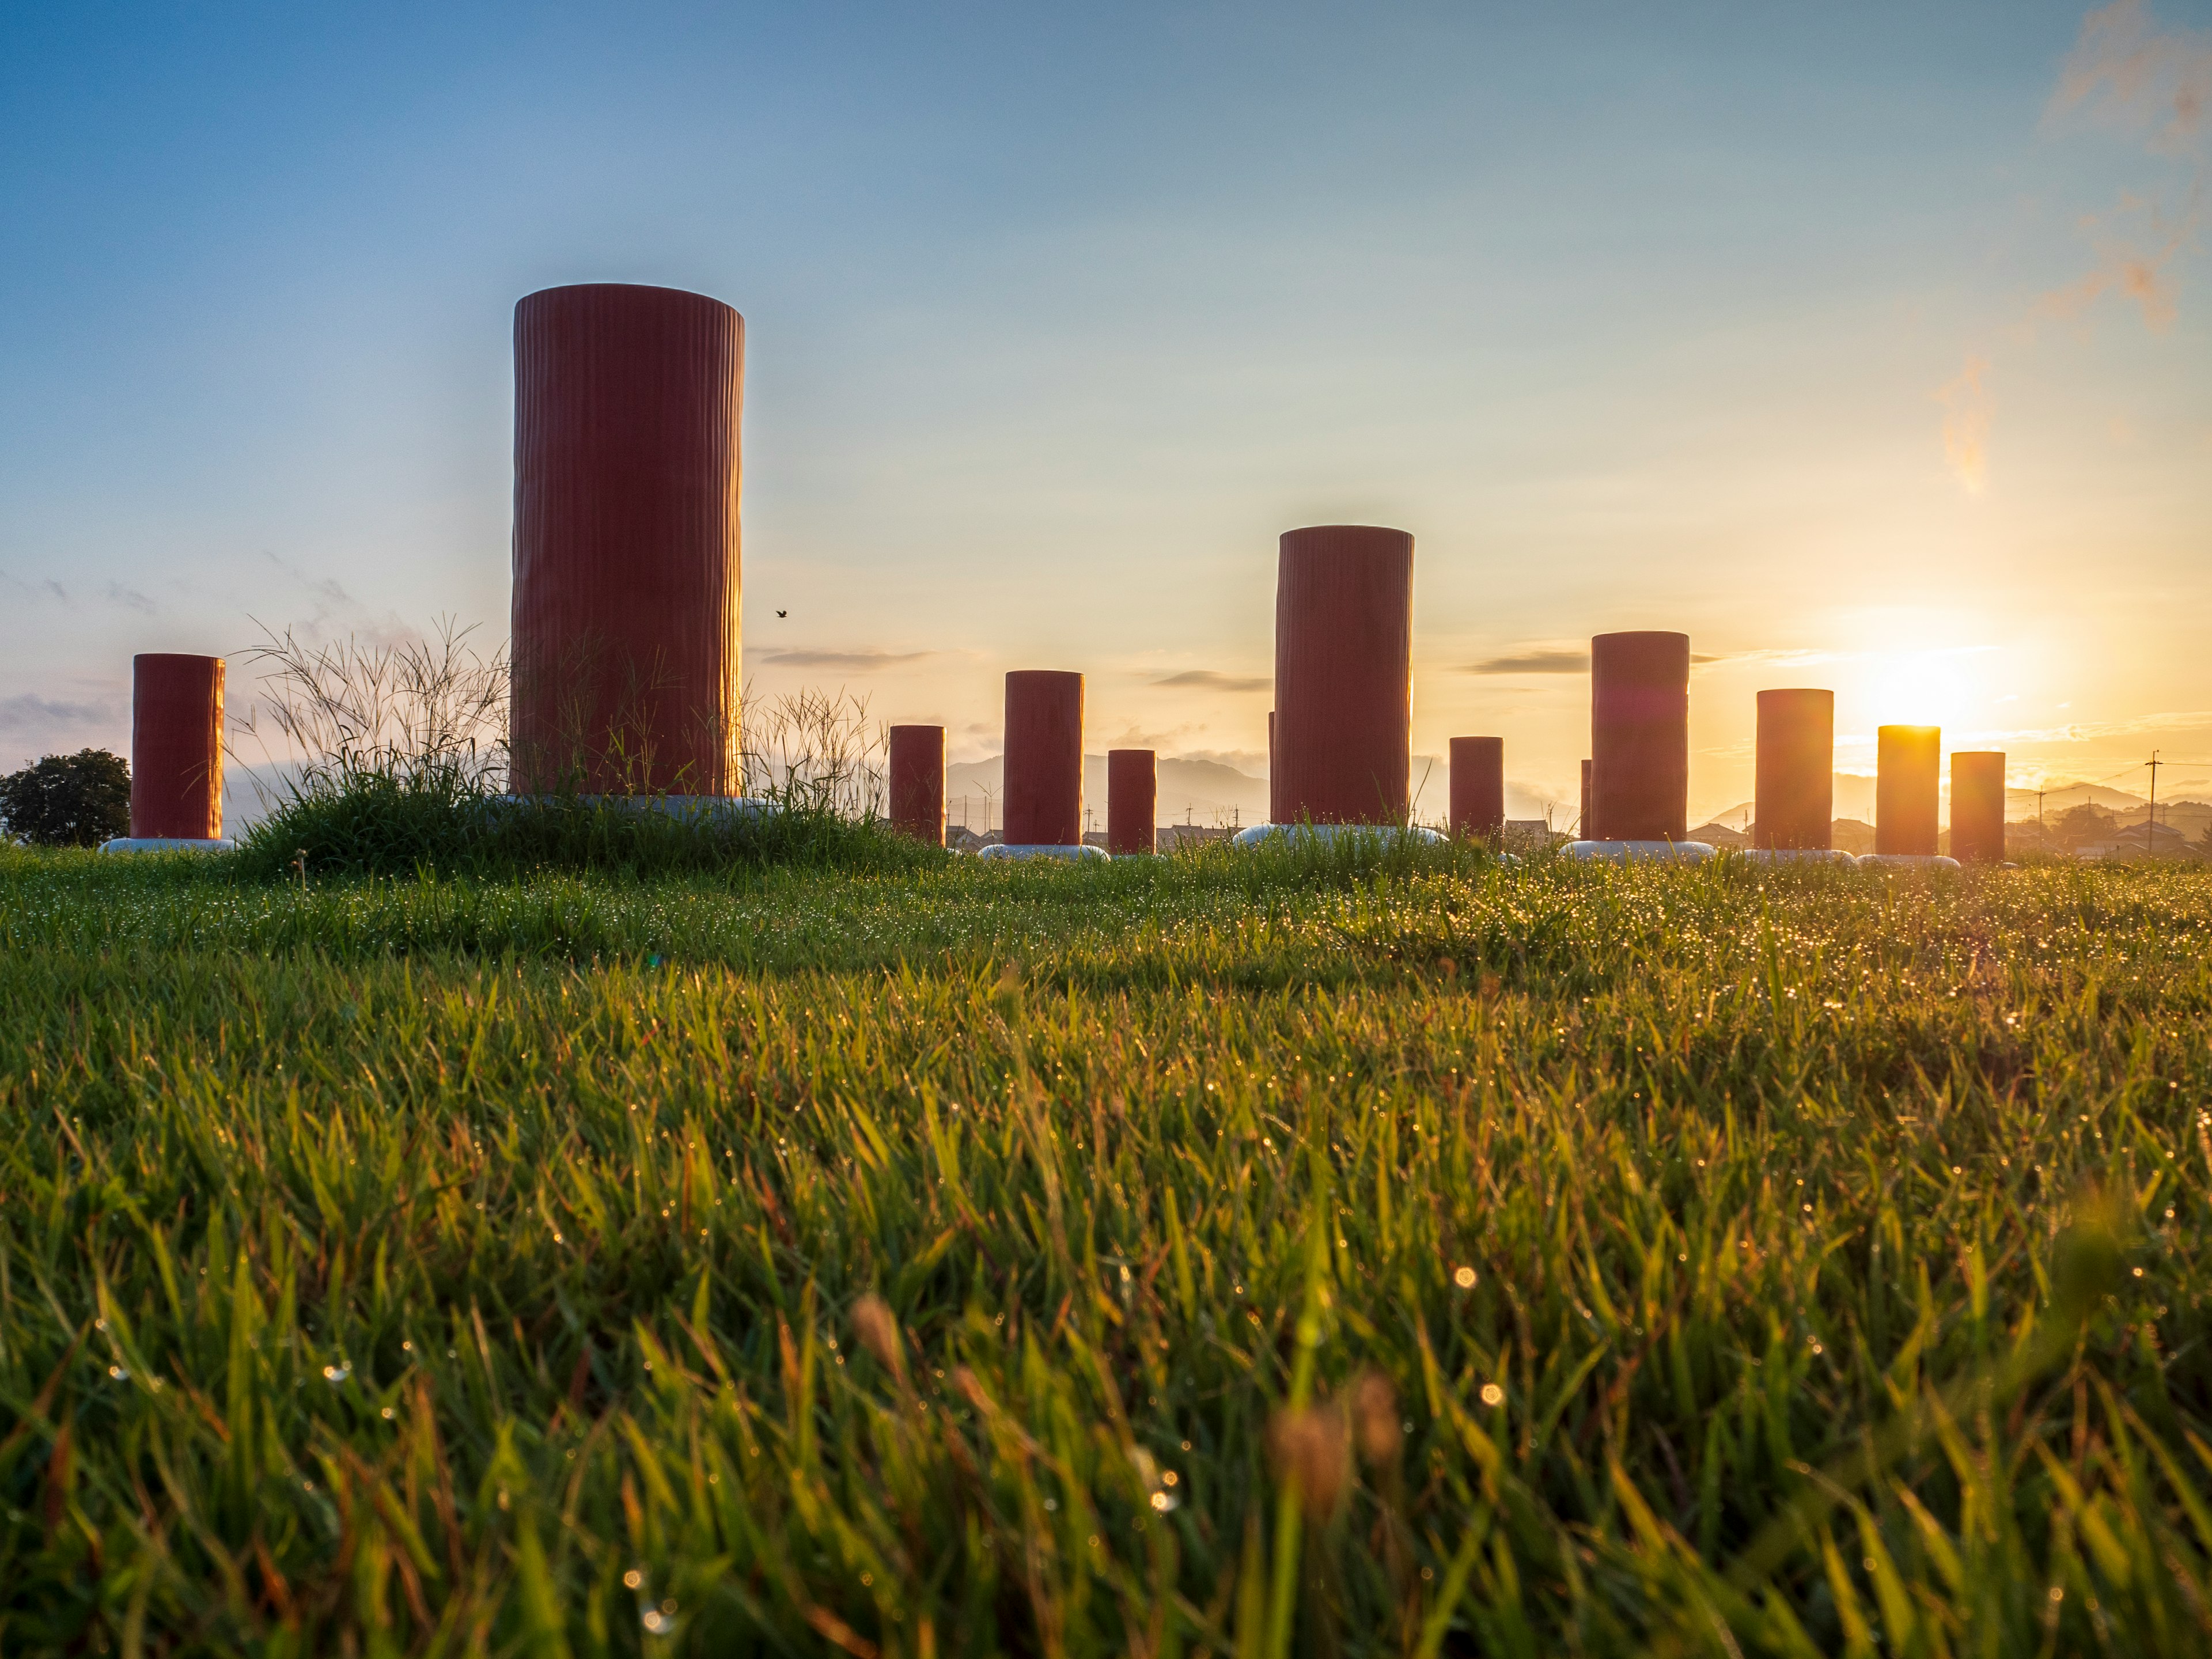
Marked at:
<point>2020,803</point>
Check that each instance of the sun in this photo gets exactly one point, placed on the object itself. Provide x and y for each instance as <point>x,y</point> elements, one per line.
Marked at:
<point>1918,688</point>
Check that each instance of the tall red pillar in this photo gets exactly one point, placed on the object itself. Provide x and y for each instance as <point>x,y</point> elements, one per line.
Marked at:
<point>1908,771</point>
<point>1795,793</point>
<point>627,404</point>
<point>176,746</point>
<point>1639,737</point>
<point>1478,786</point>
<point>1977,806</point>
<point>917,782</point>
<point>1044,758</point>
<point>1344,642</point>
<point>1132,798</point>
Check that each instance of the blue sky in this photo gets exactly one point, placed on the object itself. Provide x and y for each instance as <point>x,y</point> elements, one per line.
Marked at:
<point>1634,316</point>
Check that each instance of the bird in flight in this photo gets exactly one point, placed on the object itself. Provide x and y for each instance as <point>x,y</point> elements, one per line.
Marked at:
<point>783,613</point>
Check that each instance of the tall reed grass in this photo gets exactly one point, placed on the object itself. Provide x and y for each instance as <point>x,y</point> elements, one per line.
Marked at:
<point>388,758</point>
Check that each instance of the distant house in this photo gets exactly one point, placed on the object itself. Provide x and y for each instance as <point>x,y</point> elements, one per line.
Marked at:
<point>1176,837</point>
<point>1719,835</point>
<point>2137,840</point>
<point>1852,835</point>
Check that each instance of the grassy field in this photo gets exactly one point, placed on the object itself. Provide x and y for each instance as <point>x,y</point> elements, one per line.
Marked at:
<point>1193,1256</point>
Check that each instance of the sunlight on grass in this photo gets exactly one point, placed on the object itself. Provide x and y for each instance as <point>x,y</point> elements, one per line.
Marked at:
<point>1206,1255</point>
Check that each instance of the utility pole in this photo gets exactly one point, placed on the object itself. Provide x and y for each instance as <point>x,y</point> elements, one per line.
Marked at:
<point>2150,829</point>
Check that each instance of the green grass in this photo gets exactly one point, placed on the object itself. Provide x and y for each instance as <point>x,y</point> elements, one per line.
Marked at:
<point>1527,1261</point>
<point>393,820</point>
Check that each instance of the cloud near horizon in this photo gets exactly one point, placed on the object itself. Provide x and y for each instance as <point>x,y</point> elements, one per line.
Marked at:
<point>1533,662</point>
<point>1207,679</point>
<point>1547,660</point>
<point>28,709</point>
<point>858,661</point>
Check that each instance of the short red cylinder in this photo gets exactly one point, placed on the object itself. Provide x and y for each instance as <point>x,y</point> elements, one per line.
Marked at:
<point>628,406</point>
<point>1133,798</point>
<point>1977,806</point>
<point>1344,642</point>
<point>1583,816</point>
<point>1044,758</point>
<point>917,782</point>
<point>176,746</point>
<point>1907,777</point>
<point>1794,796</point>
<point>1639,737</point>
<point>1478,786</point>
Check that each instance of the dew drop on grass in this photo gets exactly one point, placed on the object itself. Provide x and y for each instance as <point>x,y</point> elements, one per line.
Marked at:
<point>337,1373</point>
<point>118,1373</point>
<point>1492,1394</point>
<point>634,1577</point>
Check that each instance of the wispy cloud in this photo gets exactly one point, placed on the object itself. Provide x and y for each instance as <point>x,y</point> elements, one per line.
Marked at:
<point>1966,425</point>
<point>337,611</point>
<point>853,662</point>
<point>1541,661</point>
<point>130,599</point>
<point>45,589</point>
<point>2180,720</point>
<point>1207,679</point>
<point>2128,71</point>
<point>28,710</point>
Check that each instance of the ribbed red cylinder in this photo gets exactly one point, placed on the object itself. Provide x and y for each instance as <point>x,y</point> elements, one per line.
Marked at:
<point>1044,758</point>
<point>176,746</point>
<point>1795,792</point>
<point>917,782</point>
<point>1639,737</point>
<point>1478,786</point>
<point>1977,806</point>
<point>627,407</point>
<point>1344,642</point>
<point>1132,798</point>
<point>1583,817</point>
<point>1908,778</point>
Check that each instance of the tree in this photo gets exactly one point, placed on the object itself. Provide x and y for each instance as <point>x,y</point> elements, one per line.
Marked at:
<point>2078,825</point>
<point>68,800</point>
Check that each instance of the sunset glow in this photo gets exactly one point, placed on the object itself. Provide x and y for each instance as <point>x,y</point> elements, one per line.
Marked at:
<point>1872,352</point>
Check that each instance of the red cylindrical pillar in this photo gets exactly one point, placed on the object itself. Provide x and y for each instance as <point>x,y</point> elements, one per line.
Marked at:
<point>1639,737</point>
<point>1478,786</point>
<point>176,746</point>
<point>1582,816</point>
<point>1044,758</point>
<point>628,403</point>
<point>1133,796</point>
<point>1977,806</point>
<point>917,782</point>
<point>1908,770</point>
<point>1795,794</point>
<point>1343,643</point>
